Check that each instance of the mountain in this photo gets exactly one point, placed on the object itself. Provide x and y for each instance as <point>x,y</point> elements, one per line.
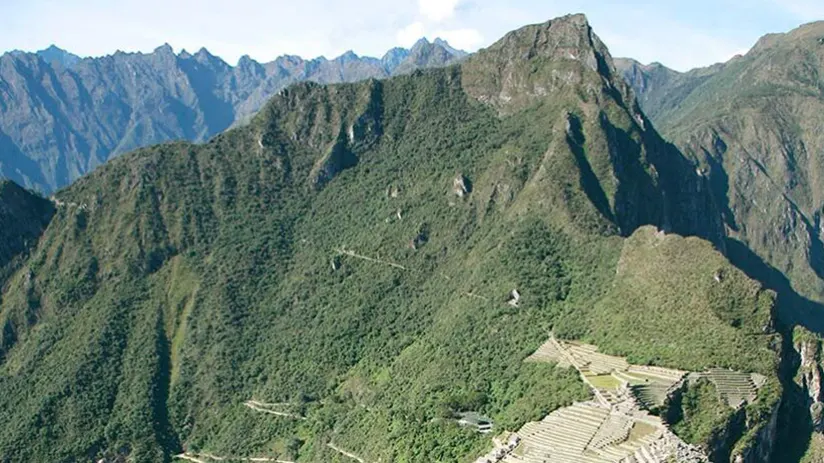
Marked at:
<point>361,263</point>
<point>659,89</point>
<point>62,116</point>
<point>425,55</point>
<point>753,126</point>
<point>58,57</point>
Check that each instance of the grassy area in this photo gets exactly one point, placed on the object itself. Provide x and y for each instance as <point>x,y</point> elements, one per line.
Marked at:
<point>639,431</point>
<point>603,381</point>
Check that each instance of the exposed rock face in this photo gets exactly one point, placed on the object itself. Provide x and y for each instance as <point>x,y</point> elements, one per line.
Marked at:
<point>514,298</point>
<point>631,185</point>
<point>393,191</point>
<point>763,445</point>
<point>809,376</point>
<point>560,43</point>
<point>461,186</point>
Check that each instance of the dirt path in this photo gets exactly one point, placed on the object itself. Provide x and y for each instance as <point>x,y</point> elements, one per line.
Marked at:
<point>185,456</point>
<point>370,259</point>
<point>207,457</point>
<point>345,453</point>
<point>262,407</point>
<point>476,296</point>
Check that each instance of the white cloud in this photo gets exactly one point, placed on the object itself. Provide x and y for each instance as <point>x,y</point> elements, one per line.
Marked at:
<point>462,39</point>
<point>437,10</point>
<point>410,34</point>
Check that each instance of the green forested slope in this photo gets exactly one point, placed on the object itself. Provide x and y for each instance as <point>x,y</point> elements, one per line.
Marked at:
<point>753,125</point>
<point>351,252</point>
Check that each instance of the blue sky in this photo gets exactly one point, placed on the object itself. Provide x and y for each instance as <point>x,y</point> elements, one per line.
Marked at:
<point>680,34</point>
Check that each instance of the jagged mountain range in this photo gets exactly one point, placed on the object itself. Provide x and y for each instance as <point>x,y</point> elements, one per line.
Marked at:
<point>62,116</point>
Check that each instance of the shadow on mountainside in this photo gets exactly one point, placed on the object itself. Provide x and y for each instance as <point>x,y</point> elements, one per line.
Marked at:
<point>15,166</point>
<point>589,180</point>
<point>719,180</point>
<point>793,309</point>
<point>795,426</point>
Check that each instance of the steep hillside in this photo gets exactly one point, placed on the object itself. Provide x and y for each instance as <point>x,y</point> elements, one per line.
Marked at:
<point>62,116</point>
<point>362,262</point>
<point>661,90</point>
<point>23,217</point>
<point>753,124</point>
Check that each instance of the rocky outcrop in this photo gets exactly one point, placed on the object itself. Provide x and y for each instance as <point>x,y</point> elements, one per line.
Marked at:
<point>761,446</point>
<point>461,186</point>
<point>809,376</point>
<point>570,53</point>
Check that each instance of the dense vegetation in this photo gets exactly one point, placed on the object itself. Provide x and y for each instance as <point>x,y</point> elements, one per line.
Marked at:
<point>753,127</point>
<point>351,253</point>
<point>717,315</point>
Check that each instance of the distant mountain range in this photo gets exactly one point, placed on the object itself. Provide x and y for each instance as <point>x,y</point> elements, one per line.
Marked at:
<point>61,115</point>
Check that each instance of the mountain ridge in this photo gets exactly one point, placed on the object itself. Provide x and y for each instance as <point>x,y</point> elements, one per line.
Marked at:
<point>62,55</point>
<point>60,121</point>
<point>761,105</point>
<point>752,126</point>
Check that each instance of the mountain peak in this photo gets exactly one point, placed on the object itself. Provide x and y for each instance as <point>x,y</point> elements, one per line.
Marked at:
<point>54,48</point>
<point>423,42</point>
<point>813,29</point>
<point>567,37</point>
<point>556,57</point>
<point>203,56</point>
<point>164,49</point>
<point>246,60</point>
<point>574,18</point>
<point>810,33</point>
<point>349,55</point>
<point>446,46</point>
<point>56,56</point>
<point>395,52</point>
